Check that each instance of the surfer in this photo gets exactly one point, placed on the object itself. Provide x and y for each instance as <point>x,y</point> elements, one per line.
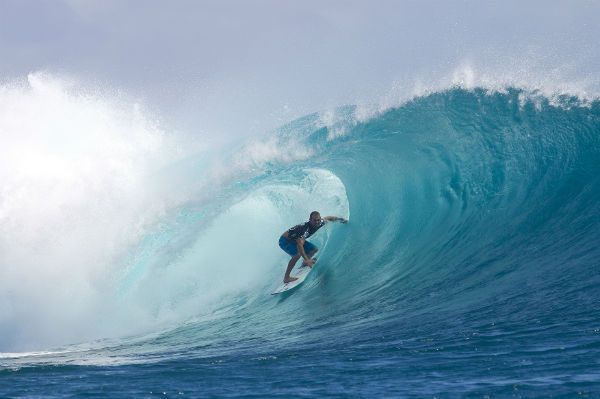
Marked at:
<point>294,243</point>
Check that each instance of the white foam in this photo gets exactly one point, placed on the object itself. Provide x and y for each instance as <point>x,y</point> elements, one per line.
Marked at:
<point>258,152</point>
<point>76,188</point>
<point>528,73</point>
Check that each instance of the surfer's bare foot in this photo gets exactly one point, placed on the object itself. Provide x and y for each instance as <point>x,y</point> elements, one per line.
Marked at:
<point>289,279</point>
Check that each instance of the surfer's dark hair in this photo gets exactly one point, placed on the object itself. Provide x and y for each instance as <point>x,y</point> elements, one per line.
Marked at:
<point>313,213</point>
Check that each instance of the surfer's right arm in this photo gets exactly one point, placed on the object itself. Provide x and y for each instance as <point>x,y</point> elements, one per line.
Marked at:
<point>300,245</point>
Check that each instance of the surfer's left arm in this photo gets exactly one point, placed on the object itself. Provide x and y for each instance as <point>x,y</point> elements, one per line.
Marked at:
<point>335,219</point>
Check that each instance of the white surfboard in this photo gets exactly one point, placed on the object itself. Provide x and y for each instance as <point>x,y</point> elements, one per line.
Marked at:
<point>301,275</point>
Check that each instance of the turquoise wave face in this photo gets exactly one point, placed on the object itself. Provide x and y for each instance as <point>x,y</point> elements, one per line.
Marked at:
<point>471,196</point>
<point>472,245</point>
<point>458,201</point>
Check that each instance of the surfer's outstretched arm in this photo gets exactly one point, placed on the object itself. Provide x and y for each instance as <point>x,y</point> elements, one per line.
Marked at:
<point>335,219</point>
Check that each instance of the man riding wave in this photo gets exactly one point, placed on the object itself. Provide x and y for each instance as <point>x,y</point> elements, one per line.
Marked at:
<point>294,242</point>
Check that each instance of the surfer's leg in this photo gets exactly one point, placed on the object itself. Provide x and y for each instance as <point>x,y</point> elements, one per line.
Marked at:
<point>287,278</point>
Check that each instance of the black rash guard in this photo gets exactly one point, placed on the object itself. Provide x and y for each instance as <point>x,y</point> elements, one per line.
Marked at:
<point>304,230</point>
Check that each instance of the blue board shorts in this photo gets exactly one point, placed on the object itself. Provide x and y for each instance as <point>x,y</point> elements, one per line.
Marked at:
<point>289,246</point>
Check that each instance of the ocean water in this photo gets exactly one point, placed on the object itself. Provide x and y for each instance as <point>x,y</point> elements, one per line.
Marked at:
<point>470,266</point>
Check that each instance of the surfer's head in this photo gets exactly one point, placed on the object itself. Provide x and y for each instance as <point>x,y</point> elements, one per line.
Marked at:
<point>315,218</point>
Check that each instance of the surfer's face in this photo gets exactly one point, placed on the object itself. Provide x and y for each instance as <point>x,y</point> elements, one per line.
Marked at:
<point>315,220</point>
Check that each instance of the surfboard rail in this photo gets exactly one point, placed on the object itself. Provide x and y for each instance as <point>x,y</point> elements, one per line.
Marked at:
<point>301,275</point>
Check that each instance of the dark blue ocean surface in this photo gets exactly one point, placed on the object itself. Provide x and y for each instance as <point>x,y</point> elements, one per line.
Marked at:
<point>470,266</point>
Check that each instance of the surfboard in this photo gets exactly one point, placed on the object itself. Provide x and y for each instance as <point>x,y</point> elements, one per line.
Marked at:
<point>303,271</point>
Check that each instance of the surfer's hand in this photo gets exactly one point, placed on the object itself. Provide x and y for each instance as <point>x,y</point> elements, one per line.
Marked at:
<point>342,220</point>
